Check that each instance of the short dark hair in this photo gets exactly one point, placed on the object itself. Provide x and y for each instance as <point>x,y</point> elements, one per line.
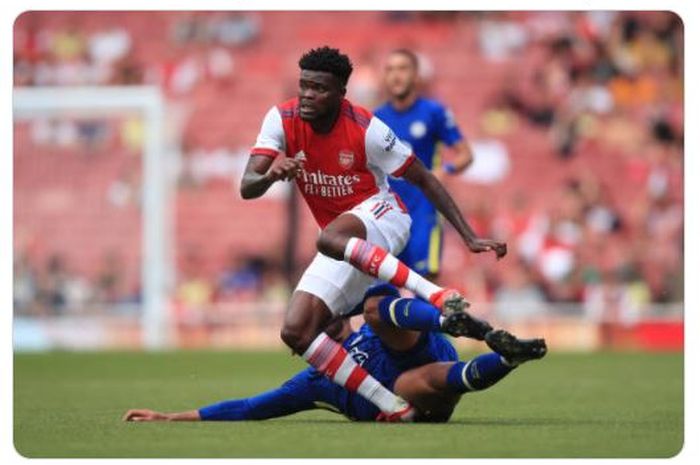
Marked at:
<point>329,60</point>
<point>410,54</point>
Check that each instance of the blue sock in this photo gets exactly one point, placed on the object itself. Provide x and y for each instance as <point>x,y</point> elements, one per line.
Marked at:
<point>409,313</point>
<point>479,373</point>
<point>374,291</point>
<point>279,402</point>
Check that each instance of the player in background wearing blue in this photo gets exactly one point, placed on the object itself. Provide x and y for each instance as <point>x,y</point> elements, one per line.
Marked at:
<point>402,346</point>
<point>422,124</point>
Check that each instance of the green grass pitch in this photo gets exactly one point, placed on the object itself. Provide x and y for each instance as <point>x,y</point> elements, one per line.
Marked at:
<point>567,405</point>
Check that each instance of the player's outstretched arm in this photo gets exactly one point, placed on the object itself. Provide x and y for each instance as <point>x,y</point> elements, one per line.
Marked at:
<point>152,415</point>
<point>259,174</point>
<point>426,181</point>
<point>293,396</point>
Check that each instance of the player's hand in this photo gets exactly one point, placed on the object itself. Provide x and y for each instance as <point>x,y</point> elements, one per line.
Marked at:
<point>144,415</point>
<point>488,245</point>
<point>287,170</point>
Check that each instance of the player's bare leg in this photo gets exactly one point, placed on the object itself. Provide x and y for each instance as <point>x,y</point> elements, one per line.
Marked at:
<point>305,318</point>
<point>428,391</point>
<point>307,315</point>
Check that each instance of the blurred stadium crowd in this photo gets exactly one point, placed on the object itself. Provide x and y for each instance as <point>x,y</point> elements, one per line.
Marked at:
<point>576,119</point>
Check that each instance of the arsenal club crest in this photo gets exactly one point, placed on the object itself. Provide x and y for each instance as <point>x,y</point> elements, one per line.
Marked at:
<point>346,159</point>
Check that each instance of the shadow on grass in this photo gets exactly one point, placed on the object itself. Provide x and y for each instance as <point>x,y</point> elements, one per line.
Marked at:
<point>515,422</point>
<point>538,422</point>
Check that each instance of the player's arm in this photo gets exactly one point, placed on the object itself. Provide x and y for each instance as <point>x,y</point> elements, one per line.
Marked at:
<point>259,174</point>
<point>450,134</point>
<point>386,152</point>
<point>295,395</point>
<point>463,158</point>
<point>292,397</point>
<point>421,177</point>
<point>152,415</point>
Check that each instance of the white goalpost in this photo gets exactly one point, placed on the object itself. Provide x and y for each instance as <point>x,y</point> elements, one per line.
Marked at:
<point>156,261</point>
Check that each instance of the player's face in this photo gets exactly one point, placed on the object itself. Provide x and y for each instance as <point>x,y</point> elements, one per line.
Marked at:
<point>399,75</point>
<point>320,94</point>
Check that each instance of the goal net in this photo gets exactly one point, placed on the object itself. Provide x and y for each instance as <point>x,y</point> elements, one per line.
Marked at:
<point>92,221</point>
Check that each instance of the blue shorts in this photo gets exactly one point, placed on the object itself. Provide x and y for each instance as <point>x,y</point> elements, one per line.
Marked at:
<point>424,248</point>
<point>381,362</point>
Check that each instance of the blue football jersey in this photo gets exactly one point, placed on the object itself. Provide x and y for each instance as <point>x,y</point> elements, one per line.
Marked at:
<point>385,366</point>
<point>421,126</point>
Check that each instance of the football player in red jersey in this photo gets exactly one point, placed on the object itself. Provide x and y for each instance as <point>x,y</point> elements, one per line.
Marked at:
<point>339,154</point>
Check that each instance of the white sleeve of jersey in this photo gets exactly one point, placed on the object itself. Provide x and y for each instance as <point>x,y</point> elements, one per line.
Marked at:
<point>270,140</point>
<point>385,150</point>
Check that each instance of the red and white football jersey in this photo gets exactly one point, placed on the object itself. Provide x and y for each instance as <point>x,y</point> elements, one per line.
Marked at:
<point>341,168</point>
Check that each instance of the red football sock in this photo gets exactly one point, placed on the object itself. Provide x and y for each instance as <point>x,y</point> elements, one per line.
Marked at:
<point>377,262</point>
<point>331,359</point>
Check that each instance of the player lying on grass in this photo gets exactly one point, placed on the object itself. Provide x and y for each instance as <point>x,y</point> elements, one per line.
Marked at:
<point>402,346</point>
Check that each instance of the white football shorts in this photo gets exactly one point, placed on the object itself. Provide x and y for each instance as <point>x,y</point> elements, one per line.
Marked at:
<point>340,285</point>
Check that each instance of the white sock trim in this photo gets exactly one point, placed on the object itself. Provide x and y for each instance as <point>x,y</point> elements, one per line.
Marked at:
<point>344,370</point>
<point>392,311</point>
<point>349,248</point>
<point>380,396</point>
<point>421,286</point>
<point>464,376</point>
<point>320,339</point>
<point>387,269</point>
